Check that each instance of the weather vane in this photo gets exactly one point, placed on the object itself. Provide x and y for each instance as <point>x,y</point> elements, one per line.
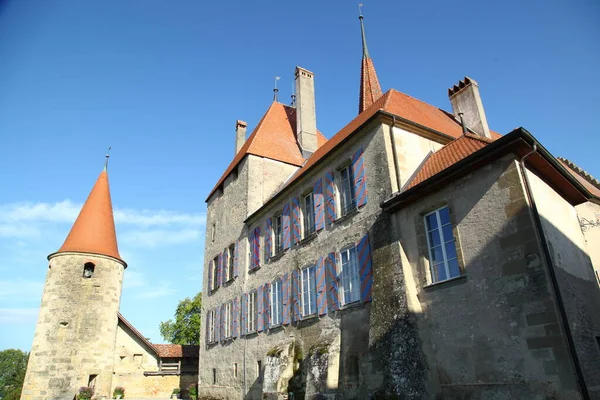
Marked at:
<point>275,90</point>
<point>107,157</point>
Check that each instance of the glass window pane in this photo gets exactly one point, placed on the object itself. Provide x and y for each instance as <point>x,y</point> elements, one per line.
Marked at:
<point>444,215</point>
<point>439,273</point>
<point>450,250</point>
<point>434,238</point>
<point>447,231</point>
<point>431,221</point>
<point>437,255</point>
<point>453,268</point>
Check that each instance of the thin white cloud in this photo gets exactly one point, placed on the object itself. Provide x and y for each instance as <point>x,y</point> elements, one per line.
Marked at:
<point>162,290</point>
<point>66,211</point>
<point>20,289</point>
<point>18,231</point>
<point>158,237</point>
<point>133,279</point>
<point>18,315</point>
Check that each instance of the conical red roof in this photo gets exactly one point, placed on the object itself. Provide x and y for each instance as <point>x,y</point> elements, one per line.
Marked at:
<point>94,228</point>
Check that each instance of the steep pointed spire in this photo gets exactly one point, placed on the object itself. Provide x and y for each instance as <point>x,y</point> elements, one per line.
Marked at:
<point>94,229</point>
<point>370,90</point>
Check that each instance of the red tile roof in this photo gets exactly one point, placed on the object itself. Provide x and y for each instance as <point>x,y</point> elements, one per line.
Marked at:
<point>370,90</point>
<point>94,228</point>
<point>274,137</point>
<point>177,350</point>
<point>587,180</point>
<point>398,104</point>
<point>450,154</point>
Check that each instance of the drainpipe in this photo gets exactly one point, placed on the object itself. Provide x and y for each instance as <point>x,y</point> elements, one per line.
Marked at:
<point>546,250</point>
<point>396,164</point>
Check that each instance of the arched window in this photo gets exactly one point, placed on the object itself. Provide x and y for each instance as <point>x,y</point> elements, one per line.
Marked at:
<point>88,270</point>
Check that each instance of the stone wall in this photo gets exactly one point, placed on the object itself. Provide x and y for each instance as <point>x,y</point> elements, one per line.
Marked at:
<point>589,216</point>
<point>575,276</point>
<point>321,347</point>
<point>494,330</point>
<point>152,386</point>
<point>76,329</point>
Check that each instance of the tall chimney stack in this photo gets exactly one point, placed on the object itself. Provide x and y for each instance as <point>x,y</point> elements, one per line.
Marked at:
<point>240,135</point>
<point>306,117</point>
<point>466,100</point>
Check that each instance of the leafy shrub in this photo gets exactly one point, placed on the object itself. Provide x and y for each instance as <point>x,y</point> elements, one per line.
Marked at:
<point>85,393</point>
<point>119,390</point>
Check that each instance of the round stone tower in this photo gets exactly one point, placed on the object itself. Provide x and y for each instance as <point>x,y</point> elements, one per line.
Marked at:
<point>74,342</point>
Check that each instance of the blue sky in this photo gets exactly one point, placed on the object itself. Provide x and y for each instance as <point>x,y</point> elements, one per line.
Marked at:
<point>163,82</point>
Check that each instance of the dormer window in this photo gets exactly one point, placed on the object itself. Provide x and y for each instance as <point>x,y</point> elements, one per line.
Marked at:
<point>88,270</point>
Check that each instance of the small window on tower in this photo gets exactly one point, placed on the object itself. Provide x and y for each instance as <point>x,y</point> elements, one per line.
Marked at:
<point>88,270</point>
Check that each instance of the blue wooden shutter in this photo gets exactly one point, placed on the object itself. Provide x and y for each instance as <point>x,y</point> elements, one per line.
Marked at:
<point>330,197</point>
<point>321,287</point>
<point>223,318</point>
<point>219,269</point>
<point>267,305</point>
<point>268,236</point>
<point>296,295</point>
<point>236,260</point>
<point>257,246</point>
<point>235,310</point>
<point>360,183</point>
<point>210,275</point>
<point>296,235</point>
<point>333,298</point>
<point>366,268</point>
<point>244,307</point>
<point>260,311</point>
<point>286,226</point>
<point>285,299</point>
<point>319,206</point>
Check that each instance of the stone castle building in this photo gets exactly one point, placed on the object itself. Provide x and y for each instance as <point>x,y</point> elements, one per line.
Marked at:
<point>81,339</point>
<point>415,254</point>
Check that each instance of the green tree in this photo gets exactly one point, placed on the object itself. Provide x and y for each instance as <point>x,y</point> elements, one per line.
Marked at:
<point>186,328</point>
<point>13,364</point>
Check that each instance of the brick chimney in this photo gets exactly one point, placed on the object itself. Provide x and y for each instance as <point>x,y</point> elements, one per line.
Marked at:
<point>306,117</point>
<point>465,99</point>
<point>240,135</point>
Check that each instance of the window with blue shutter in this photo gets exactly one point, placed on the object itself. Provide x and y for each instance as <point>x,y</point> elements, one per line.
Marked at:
<point>266,306</point>
<point>319,205</point>
<point>268,236</point>
<point>309,291</point>
<point>330,197</point>
<point>321,287</point>
<point>260,309</point>
<point>235,316</point>
<point>211,267</point>
<point>296,234</point>
<point>276,303</point>
<point>286,227</point>
<point>332,282</point>
<point>236,261</point>
<point>244,309</point>
<point>296,295</point>
<point>366,269</point>
<point>286,304</point>
<point>360,184</point>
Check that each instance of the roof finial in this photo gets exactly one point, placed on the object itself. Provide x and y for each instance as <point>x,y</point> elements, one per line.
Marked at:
<point>107,157</point>
<point>275,90</point>
<point>362,31</point>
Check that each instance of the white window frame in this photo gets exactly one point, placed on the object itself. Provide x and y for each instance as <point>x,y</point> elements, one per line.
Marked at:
<point>215,273</point>
<point>350,275</point>
<point>443,243</point>
<point>211,326</point>
<point>227,321</point>
<point>275,295</point>
<point>252,311</point>
<point>230,261</point>
<point>310,287</point>
<point>345,208</point>
<point>308,215</point>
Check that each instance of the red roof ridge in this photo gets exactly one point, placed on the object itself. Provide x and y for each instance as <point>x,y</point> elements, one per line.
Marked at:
<point>584,174</point>
<point>94,229</point>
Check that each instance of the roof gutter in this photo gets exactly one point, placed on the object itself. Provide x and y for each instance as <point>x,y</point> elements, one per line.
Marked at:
<point>493,149</point>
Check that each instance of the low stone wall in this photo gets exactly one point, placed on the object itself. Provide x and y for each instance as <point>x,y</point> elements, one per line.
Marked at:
<point>155,386</point>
